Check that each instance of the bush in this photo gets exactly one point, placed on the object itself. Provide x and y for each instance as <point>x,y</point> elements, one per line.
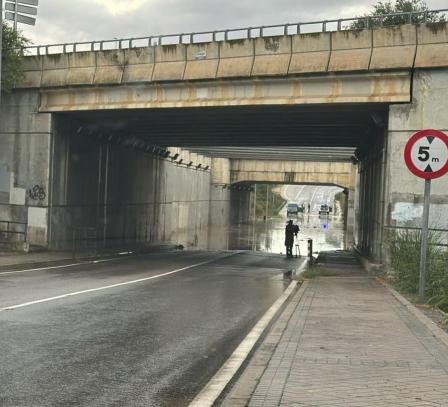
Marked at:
<point>12,43</point>
<point>404,248</point>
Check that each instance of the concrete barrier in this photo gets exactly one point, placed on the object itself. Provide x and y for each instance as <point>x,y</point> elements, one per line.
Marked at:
<point>272,56</point>
<point>310,53</point>
<point>109,67</point>
<point>387,48</point>
<point>202,61</point>
<point>432,50</point>
<point>32,72</point>
<point>236,58</point>
<point>54,70</point>
<point>280,171</point>
<point>394,47</point>
<point>82,68</point>
<point>139,64</point>
<point>170,62</point>
<point>351,50</point>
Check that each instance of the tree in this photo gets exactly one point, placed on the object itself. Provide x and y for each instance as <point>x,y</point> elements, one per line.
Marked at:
<point>12,44</point>
<point>380,15</point>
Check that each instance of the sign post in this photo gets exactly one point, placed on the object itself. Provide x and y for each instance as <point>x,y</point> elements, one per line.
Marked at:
<point>426,156</point>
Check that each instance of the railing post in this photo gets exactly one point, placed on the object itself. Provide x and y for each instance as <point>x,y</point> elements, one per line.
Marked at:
<point>367,22</point>
<point>310,249</point>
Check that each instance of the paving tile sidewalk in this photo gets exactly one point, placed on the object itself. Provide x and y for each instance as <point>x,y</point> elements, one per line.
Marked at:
<point>345,341</point>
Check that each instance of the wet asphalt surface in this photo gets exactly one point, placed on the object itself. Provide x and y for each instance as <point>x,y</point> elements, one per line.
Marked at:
<point>152,343</point>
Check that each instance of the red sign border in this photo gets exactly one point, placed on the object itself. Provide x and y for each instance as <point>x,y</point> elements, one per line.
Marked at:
<point>407,154</point>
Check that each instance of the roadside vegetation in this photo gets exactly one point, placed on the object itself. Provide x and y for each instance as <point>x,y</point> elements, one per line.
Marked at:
<point>12,43</point>
<point>404,248</point>
<point>317,271</point>
<point>268,196</point>
<point>382,8</point>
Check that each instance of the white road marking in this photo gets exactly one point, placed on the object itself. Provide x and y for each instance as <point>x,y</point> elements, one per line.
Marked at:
<point>107,287</point>
<point>59,267</point>
<point>217,384</point>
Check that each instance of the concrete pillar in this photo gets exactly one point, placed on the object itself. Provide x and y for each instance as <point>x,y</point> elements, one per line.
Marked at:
<point>219,219</point>
<point>351,198</point>
<point>25,160</point>
<point>404,200</point>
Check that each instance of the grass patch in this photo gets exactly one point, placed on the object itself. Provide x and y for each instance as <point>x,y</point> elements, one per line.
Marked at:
<point>317,271</point>
<point>404,248</point>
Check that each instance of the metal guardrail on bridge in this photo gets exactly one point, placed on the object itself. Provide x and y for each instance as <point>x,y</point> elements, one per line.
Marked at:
<point>230,34</point>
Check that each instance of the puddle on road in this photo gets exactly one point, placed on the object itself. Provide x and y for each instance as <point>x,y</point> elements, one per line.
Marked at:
<point>268,236</point>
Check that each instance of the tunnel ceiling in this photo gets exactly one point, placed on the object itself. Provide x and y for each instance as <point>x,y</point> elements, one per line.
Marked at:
<point>303,131</point>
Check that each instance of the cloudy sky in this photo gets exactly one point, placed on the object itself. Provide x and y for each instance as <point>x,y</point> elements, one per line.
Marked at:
<point>81,20</point>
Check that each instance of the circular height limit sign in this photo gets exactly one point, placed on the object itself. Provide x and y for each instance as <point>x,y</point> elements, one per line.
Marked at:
<point>426,154</point>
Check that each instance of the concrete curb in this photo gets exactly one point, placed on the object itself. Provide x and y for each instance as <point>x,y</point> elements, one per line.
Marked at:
<point>438,332</point>
<point>244,387</point>
<point>216,385</point>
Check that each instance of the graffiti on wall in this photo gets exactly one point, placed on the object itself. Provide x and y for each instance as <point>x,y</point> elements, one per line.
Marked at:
<point>37,193</point>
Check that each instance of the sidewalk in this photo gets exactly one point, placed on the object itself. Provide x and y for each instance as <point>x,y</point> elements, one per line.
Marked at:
<point>346,341</point>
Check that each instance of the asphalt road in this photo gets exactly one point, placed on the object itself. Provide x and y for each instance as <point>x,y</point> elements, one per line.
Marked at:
<point>151,342</point>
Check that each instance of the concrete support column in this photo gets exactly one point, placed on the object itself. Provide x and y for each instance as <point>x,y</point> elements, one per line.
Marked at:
<point>404,191</point>
<point>25,164</point>
<point>219,202</point>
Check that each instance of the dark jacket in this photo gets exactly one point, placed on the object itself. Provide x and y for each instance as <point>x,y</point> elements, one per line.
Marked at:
<point>290,231</point>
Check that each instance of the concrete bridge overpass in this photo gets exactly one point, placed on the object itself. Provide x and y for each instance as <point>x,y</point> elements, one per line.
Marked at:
<point>84,126</point>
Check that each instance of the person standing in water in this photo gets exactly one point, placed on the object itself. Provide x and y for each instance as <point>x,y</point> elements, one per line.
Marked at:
<point>290,231</point>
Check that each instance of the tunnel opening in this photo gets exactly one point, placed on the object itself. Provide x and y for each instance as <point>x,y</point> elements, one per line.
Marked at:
<point>138,176</point>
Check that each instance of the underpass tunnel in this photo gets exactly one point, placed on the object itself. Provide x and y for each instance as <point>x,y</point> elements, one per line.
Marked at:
<point>139,176</point>
<point>319,209</point>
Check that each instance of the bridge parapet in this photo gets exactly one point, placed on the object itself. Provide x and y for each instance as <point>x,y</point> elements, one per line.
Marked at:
<point>294,172</point>
<point>388,48</point>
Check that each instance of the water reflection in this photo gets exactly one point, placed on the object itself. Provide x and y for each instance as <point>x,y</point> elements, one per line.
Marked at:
<point>327,232</point>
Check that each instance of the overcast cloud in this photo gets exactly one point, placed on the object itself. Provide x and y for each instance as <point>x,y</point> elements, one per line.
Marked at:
<point>62,21</point>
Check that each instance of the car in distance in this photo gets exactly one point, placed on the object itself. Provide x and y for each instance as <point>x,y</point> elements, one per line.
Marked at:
<point>292,209</point>
<point>324,209</point>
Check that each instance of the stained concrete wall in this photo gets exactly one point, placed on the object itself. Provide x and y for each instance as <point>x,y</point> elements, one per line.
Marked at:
<point>404,204</point>
<point>276,171</point>
<point>401,47</point>
<point>126,196</point>
<point>370,196</point>
<point>25,159</point>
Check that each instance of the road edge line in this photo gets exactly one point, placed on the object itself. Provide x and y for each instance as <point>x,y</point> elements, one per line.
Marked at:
<point>438,332</point>
<point>216,385</point>
<point>107,287</point>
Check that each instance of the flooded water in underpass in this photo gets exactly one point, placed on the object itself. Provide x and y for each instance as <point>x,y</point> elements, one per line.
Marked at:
<point>326,231</point>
